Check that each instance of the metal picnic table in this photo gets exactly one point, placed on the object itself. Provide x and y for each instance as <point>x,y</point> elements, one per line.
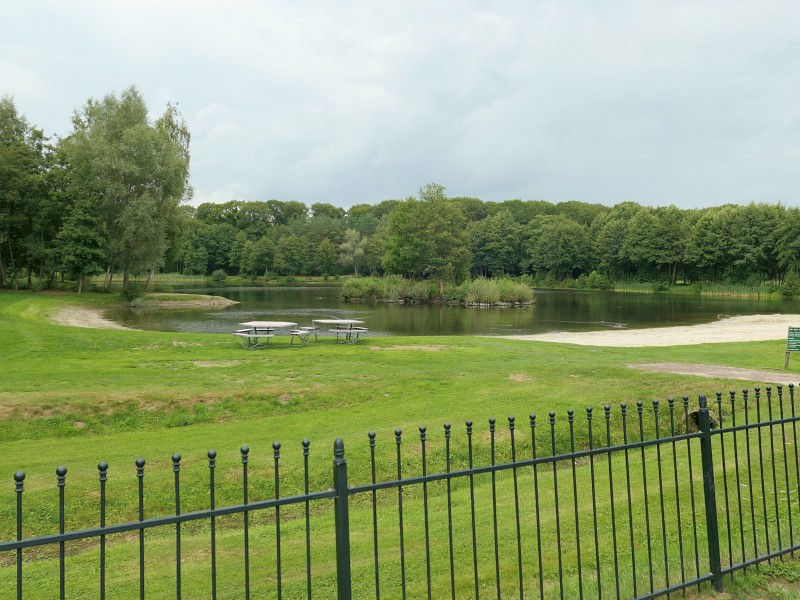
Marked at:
<point>348,329</point>
<point>257,334</point>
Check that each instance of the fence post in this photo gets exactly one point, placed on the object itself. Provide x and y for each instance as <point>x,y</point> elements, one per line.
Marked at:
<point>341,510</point>
<point>709,492</point>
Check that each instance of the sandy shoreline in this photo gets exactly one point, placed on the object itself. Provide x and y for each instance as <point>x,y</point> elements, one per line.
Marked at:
<point>748,328</point>
<point>80,316</point>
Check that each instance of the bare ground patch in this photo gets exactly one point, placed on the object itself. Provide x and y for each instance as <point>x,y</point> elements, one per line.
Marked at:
<point>519,377</point>
<point>217,363</point>
<point>427,348</point>
<point>717,372</point>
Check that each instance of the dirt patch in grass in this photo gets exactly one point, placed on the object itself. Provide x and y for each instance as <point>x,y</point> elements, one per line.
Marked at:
<point>217,363</point>
<point>718,372</point>
<point>519,377</point>
<point>427,348</point>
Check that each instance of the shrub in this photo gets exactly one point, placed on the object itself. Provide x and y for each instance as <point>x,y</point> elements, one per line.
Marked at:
<point>598,282</point>
<point>455,293</point>
<point>791,285</point>
<point>135,290</point>
<point>219,275</point>
<point>661,286</point>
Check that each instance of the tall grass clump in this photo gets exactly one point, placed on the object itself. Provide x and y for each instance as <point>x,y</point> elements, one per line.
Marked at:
<point>418,291</point>
<point>512,290</point>
<point>387,289</point>
<point>482,291</point>
<point>363,288</point>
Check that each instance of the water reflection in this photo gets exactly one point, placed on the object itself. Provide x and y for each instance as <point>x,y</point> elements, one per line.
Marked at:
<point>553,311</point>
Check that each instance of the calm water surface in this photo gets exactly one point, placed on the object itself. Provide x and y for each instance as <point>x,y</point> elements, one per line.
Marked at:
<point>553,311</point>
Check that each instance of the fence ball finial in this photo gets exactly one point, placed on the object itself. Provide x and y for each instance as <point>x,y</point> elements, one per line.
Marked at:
<point>338,448</point>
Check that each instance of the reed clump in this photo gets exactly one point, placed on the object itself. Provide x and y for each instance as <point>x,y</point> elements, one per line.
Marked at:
<point>479,291</point>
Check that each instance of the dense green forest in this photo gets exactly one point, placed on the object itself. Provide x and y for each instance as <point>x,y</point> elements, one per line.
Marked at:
<point>111,197</point>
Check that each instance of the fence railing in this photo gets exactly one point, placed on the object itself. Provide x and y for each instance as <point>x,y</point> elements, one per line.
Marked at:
<point>632,508</point>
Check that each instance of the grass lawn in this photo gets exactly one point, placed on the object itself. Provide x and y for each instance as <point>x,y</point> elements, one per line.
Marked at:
<point>73,396</point>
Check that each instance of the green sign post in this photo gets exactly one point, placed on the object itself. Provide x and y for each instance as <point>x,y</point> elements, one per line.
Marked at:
<point>792,344</point>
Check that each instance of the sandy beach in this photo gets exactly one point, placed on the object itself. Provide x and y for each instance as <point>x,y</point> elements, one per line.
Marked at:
<point>749,328</point>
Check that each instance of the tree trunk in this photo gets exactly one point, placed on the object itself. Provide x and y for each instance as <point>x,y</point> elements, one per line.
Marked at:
<point>30,276</point>
<point>14,283</point>
<point>125,280</point>
<point>149,281</point>
<point>109,277</point>
<point>3,281</point>
<point>41,262</point>
<point>80,284</point>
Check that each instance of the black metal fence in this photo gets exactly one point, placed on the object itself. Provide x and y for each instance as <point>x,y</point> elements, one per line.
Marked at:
<point>651,501</point>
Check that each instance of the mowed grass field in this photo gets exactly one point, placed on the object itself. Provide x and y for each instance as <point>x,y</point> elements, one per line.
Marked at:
<point>75,396</point>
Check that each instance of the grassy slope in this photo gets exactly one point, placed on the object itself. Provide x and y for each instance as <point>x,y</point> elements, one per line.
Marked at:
<point>76,396</point>
<point>73,390</point>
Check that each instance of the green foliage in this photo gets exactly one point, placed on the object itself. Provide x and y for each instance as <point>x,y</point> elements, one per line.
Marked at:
<point>496,244</point>
<point>593,281</point>
<point>219,275</point>
<point>660,286</point>
<point>791,285</point>
<point>133,292</point>
<point>353,251</point>
<point>29,218</point>
<point>427,237</point>
<point>456,293</point>
<point>79,243</point>
<point>326,257</point>
<point>557,245</point>
<point>291,255</point>
<point>134,172</point>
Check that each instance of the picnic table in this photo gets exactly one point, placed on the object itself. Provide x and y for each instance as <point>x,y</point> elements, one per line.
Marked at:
<point>346,330</point>
<point>257,334</point>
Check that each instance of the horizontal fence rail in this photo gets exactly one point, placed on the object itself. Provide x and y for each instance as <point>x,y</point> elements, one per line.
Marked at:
<point>635,502</point>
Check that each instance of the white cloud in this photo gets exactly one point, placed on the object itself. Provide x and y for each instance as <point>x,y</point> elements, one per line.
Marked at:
<point>353,101</point>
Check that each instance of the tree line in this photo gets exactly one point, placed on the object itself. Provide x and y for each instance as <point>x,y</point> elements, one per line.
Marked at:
<point>111,198</point>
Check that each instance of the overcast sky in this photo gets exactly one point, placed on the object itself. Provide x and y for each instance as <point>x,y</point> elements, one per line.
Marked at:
<point>686,103</point>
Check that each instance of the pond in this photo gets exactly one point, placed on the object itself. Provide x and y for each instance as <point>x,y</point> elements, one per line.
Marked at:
<point>554,310</point>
